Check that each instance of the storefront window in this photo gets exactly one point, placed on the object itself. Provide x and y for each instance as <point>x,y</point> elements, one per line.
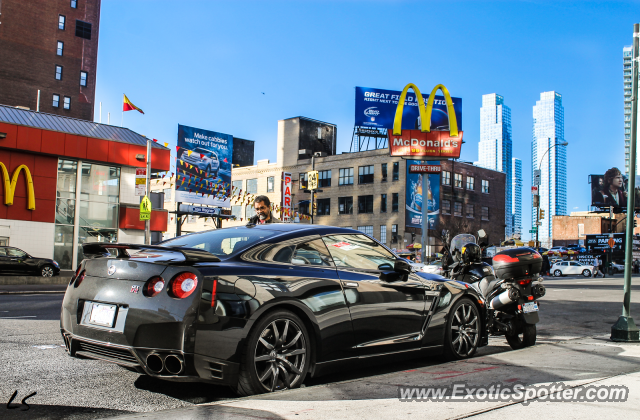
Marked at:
<point>62,246</point>
<point>100,183</point>
<point>65,212</point>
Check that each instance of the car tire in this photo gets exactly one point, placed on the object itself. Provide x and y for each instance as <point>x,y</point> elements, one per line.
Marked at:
<point>464,316</point>
<point>526,338</point>
<point>557,273</point>
<point>586,273</point>
<point>274,361</point>
<point>47,271</point>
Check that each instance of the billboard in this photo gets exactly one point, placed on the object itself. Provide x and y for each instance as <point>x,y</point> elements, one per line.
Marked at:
<point>415,197</point>
<point>203,164</point>
<point>376,108</point>
<point>611,189</point>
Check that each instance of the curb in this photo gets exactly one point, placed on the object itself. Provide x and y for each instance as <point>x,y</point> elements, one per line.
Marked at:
<point>33,292</point>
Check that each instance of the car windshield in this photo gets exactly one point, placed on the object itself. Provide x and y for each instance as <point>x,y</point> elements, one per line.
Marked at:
<point>222,242</point>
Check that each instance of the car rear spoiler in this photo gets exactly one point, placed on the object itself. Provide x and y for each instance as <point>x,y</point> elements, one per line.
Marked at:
<point>101,249</point>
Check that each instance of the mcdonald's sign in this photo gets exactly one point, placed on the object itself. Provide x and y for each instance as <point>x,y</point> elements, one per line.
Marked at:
<point>10,186</point>
<point>425,143</point>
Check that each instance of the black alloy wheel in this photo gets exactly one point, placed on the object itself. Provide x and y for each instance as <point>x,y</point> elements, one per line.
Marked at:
<point>47,271</point>
<point>277,356</point>
<point>463,331</point>
<point>525,338</point>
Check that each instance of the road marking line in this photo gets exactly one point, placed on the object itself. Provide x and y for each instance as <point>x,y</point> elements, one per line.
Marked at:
<point>9,317</point>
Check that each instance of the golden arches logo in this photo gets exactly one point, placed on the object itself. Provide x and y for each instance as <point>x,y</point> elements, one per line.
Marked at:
<point>425,112</point>
<point>10,186</point>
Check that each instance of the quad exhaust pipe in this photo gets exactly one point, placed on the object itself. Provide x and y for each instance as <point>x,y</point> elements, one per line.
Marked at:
<point>157,363</point>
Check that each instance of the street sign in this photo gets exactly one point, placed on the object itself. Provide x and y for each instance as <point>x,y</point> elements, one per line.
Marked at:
<point>141,181</point>
<point>199,210</point>
<point>534,230</point>
<point>425,169</point>
<point>611,242</point>
<point>534,190</point>
<point>145,209</point>
<point>536,177</point>
<point>312,180</point>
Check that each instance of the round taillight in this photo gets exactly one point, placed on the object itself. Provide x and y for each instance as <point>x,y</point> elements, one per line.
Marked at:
<point>153,286</point>
<point>183,285</point>
<point>80,278</point>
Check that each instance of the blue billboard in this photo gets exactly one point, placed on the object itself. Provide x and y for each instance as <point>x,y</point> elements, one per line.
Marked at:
<point>376,108</point>
<point>416,197</point>
<point>203,164</point>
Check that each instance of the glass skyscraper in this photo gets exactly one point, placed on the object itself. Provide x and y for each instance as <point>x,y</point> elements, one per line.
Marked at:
<point>516,203</point>
<point>627,55</point>
<point>548,130</point>
<point>494,149</point>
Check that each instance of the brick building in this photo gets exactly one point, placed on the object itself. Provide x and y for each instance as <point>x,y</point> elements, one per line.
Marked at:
<point>51,46</point>
<point>573,229</point>
<point>367,190</point>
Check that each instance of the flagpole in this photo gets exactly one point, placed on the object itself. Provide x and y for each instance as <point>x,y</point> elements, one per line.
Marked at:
<point>122,120</point>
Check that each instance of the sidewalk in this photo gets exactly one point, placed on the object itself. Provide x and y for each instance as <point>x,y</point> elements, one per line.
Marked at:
<point>28,289</point>
<point>590,360</point>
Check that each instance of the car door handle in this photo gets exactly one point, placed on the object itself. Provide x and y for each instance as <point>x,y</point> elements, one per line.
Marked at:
<point>350,284</point>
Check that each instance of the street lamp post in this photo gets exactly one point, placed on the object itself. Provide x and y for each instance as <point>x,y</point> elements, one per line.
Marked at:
<point>564,143</point>
<point>625,328</point>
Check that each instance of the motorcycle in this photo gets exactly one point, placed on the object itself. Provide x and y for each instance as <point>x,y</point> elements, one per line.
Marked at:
<point>511,287</point>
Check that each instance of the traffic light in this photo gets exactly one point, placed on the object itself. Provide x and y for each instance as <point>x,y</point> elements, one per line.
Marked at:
<point>541,214</point>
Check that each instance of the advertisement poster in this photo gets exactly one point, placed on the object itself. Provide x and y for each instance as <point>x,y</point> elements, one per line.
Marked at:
<point>141,181</point>
<point>610,189</point>
<point>376,108</point>
<point>416,198</point>
<point>203,165</point>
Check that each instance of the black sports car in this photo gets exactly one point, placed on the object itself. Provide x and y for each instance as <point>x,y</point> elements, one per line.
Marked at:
<point>260,307</point>
<point>16,261</point>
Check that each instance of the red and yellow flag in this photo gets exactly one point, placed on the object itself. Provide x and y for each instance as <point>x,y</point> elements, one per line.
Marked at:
<point>128,106</point>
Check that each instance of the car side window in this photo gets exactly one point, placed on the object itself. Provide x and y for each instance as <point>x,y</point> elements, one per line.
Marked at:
<point>3,253</point>
<point>574,263</point>
<point>12,252</point>
<point>358,251</point>
<point>312,253</point>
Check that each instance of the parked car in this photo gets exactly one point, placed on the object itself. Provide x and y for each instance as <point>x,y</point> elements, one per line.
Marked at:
<point>565,268</point>
<point>617,268</point>
<point>259,308</point>
<point>433,268</point>
<point>16,261</point>
<point>577,249</point>
<point>204,159</point>
<point>559,250</point>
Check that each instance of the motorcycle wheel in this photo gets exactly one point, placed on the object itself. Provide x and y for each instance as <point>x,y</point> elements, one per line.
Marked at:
<point>526,338</point>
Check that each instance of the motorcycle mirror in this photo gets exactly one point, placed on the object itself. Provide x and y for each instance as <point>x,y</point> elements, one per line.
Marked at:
<point>482,234</point>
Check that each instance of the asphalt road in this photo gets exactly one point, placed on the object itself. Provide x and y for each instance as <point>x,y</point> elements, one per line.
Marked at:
<point>35,360</point>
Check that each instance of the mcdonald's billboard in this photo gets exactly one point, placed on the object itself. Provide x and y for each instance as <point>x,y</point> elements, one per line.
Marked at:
<point>376,108</point>
<point>426,143</point>
<point>10,186</point>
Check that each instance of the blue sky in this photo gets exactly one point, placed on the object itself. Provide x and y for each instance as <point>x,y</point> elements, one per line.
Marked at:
<point>206,64</point>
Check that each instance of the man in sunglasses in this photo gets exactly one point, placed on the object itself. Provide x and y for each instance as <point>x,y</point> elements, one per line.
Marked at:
<point>262,205</point>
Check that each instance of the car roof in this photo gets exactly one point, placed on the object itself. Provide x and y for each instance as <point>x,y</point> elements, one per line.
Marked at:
<point>296,227</point>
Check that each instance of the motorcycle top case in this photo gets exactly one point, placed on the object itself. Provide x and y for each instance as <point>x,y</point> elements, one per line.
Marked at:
<point>517,262</point>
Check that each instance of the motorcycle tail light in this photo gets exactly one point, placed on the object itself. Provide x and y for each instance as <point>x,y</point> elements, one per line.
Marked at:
<point>153,286</point>
<point>80,278</point>
<point>530,298</point>
<point>524,282</point>
<point>505,258</point>
<point>182,285</point>
<point>213,293</point>
<point>519,307</point>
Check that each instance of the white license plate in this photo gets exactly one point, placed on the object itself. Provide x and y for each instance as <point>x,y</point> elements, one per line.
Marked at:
<point>102,314</point>
<point>530,307</point>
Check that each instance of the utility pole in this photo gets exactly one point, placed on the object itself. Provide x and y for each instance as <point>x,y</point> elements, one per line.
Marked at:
<point>625,328</point>
<point>147,223</point>
<point>313,168</point>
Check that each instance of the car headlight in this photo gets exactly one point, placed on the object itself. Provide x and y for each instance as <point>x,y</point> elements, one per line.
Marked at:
<point>56,264</point>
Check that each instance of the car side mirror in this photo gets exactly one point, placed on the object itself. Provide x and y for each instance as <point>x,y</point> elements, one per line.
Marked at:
<point>401,266</point>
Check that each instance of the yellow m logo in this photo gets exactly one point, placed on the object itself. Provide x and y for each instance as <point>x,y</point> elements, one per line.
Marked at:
<point>425,112</point>
<point>10,187</point>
